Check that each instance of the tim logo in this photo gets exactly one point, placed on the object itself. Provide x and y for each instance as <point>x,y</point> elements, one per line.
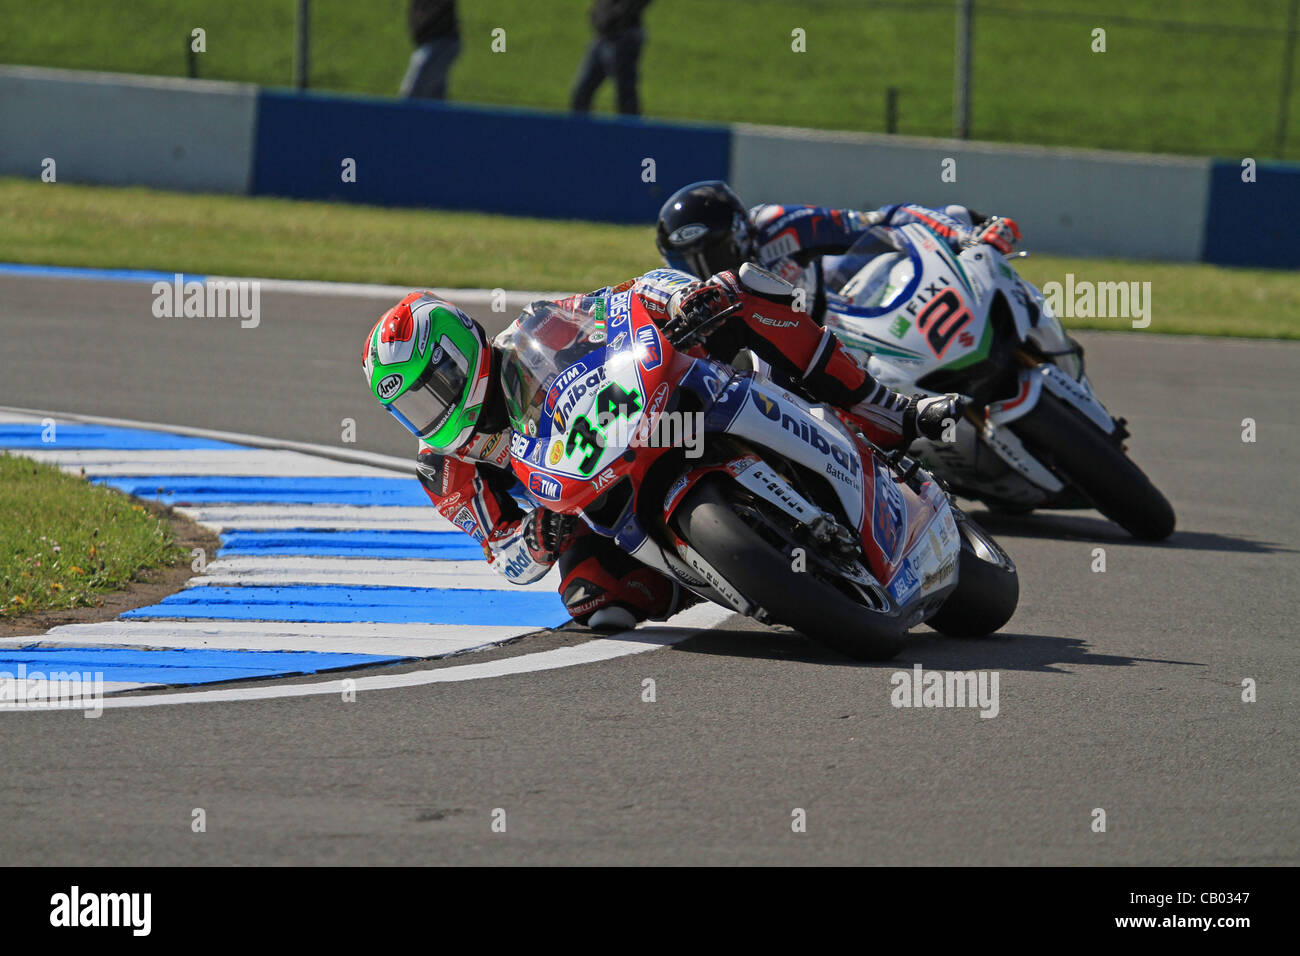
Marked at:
<point>574,371</point>
<point>544,487</point>
<point>765,405</point>
<point>652,354</point>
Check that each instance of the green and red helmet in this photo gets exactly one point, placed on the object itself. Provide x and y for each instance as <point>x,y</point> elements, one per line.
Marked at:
<point>428,363</point>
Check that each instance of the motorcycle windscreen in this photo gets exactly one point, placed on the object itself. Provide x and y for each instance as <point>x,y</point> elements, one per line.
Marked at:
<point>547,339</point>
<point>874,272</point>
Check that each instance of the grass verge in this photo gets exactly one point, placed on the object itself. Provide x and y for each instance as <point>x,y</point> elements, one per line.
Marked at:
<point>65,543</point>
<point>135,228</point>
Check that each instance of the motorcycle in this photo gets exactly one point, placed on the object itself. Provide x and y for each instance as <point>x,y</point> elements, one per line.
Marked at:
<point>924,320</point>
<point>781,511</point>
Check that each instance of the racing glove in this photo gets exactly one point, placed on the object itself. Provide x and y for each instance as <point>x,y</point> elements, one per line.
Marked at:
<point>547,533</point>
<point>927,417</point>
<point>699,311</point>
<point>998,232</point>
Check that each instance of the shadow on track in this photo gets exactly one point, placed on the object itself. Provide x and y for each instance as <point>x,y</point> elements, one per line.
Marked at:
<point>1060,525</point>
<point>1003,652</point>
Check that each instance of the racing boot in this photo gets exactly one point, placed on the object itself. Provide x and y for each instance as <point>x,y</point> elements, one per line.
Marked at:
<point>604,588</point>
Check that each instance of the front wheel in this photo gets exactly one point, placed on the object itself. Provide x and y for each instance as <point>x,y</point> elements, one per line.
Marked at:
<point>988,587</point>
<point>753,560</point>
<point>1089,459</point>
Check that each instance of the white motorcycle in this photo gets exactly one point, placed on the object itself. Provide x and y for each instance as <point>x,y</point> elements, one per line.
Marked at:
<point>926,320</point>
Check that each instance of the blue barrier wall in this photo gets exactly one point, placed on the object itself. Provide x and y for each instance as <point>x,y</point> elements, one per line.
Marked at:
<point>225,137</point>
<point>430,154</point>
<point>1253,224</point>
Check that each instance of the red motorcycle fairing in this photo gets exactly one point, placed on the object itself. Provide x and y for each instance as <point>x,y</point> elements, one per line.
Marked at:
<point>637,350</point>
<point>628,374</point>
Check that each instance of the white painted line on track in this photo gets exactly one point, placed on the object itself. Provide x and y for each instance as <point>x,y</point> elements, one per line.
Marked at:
<point>196,461</point>
<point>516,297</point>
<point>10,413</point>
<point>317,287</point>
<point>393,572</point>
<point>639,641</point>
<point>331,517</point>
<point>398,640</point>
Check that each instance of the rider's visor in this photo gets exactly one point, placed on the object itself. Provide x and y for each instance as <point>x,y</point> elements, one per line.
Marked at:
<point>429,402</point>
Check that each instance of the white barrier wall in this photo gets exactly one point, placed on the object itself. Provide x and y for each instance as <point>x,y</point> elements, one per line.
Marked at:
<point>1080,202</point>
<point>127,130</point>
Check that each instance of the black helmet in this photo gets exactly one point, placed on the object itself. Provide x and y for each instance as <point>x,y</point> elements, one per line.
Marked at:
<point>704,229</point>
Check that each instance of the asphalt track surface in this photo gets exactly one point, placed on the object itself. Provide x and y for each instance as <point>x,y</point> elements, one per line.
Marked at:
<point>1118,690</point>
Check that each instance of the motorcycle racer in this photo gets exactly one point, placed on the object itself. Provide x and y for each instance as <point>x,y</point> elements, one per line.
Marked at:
<point>432,367</point>
<point>704,229</point>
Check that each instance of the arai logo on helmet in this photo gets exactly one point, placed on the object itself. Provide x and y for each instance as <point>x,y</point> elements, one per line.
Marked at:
<point>688,233</point>
<point>389,385</point>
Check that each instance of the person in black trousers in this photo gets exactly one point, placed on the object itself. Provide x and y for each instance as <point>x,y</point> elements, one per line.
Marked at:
<point>614,52</point>
<point>437,44</point>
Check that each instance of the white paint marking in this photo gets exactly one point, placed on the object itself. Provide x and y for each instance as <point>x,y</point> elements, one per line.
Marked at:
<point>399,640</point>
<point>332,517</point>
<point>203,462</point>
<point>405,465</point>
<point>643,639</point>
<point>516,298</point>
<point>394,572</point>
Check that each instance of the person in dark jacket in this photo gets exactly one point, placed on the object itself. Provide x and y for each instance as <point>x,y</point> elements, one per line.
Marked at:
<point>614,52</point>
<point>437,44</point>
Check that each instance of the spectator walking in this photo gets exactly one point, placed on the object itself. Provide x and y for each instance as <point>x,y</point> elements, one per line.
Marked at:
<point>614,52</point>
<point>437,44</point>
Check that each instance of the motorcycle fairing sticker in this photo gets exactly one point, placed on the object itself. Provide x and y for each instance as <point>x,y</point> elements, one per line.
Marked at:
<point>544,486</point>
<point>723,412</point>
<point>941,315</point>
<point>706,379</point>
<point>786,421</point>
<point>606,404</point>
<point>522,447</point>
<point>620,310</point>
<point>577,370</point>
<point>631,535</point>
<point>905,582</point>
<point>887,514</point>
<point>651,351</point>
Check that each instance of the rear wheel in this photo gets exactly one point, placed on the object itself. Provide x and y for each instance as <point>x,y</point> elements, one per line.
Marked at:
<point>762,570</point>
<point>988,588</point>
<point>1090,459</point>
